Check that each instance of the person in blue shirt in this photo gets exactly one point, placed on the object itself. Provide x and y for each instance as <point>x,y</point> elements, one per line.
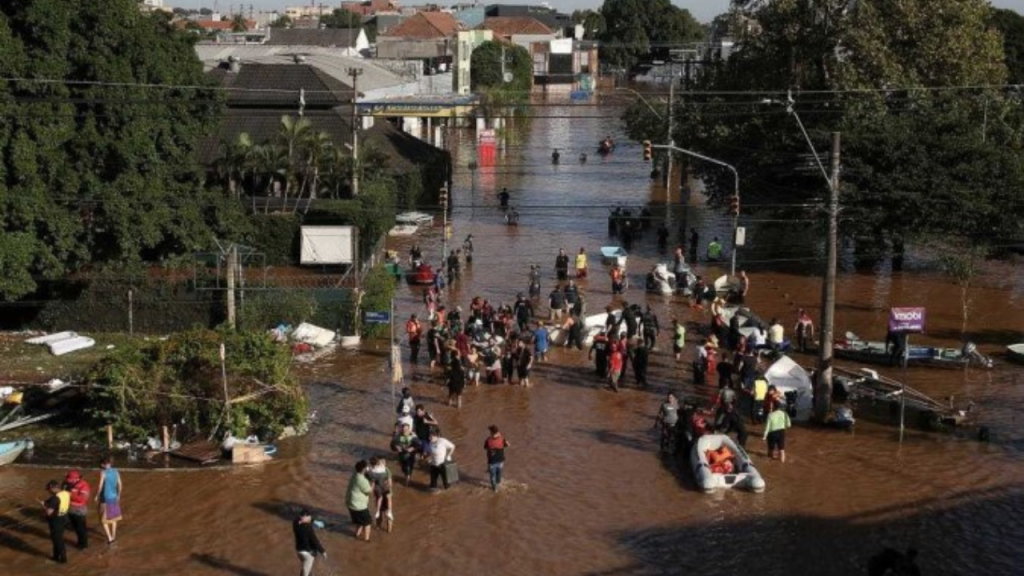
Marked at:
<point>108,494</point>
<point>540,341</point>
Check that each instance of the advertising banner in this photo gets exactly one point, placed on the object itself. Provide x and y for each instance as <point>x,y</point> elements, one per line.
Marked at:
<point>906,319</point>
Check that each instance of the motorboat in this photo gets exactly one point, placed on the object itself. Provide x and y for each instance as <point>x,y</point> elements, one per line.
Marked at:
<point>872,352</point>
<point>415,219</point>
<point>660,280</point>
<point>736,470</point>
<point>1015,352</point>
<point>795,384</point>
<point>9,451</point>
<point>614,255</point>
<point>63,342</point>
<point>421,275</point>
<point>881,400</point>
<point>404,230</point>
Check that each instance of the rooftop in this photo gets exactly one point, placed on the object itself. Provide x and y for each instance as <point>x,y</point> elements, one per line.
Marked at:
<point>279,85</point>
<point>511,25</point>
<point>327,37</point>
<point>426,26</point>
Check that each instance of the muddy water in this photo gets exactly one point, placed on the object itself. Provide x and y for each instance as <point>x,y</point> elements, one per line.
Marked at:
<point>587,493</point>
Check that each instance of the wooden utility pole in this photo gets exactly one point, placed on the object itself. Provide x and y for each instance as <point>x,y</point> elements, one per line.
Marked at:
<point>354,73</point>
<point>230,271</point>
<point>823,396</point>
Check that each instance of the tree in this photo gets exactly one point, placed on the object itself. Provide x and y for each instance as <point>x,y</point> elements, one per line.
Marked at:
<point>238,23</point>
<point>911,155</point>
<point>1011,25</point>
<point>283,21</point>
<point>633,27</point>
<point>593,23</point>
<point>342,18</point>
<point>486,66</point>
<point>96,164</point>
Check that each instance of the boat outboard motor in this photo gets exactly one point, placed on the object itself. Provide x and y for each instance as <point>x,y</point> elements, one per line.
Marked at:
<point>970,353</point>
<point>844,417</point>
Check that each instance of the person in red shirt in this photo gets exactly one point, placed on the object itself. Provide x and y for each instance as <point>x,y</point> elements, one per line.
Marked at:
<point>80,490</point>
<point>414,330</point>
<point>616,366</point>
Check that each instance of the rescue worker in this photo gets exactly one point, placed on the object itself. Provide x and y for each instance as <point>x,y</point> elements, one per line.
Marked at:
<point>599,353</point>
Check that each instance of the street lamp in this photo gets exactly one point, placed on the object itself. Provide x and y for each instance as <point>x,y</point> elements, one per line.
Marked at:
<point>736,192</point>
<point>642,99</point>
<point>823,397</point>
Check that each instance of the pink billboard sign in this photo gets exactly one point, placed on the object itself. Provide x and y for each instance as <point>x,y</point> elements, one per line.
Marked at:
<point>906,319</point>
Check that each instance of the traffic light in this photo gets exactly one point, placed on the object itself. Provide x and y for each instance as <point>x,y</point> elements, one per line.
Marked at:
<point>444,198</point>
<point>734,206</point>
<point>647,151</point>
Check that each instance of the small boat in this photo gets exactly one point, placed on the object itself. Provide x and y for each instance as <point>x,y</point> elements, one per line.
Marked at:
<point>793,381</point>
<point>1015,352</point>
<point>725,285</point>
<point>880,399</point>
<point>415,218</point>
<point>871,352</point>
<point>422,275</point>
<point>613,255</point>
<point>63,342</point>
<point>404,230</point>
<point>743,474</point>
<point>9,451</point>
<point>660,280</point>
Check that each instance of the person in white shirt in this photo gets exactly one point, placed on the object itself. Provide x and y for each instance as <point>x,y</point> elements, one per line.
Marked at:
<point>759,337</point>
<point>441,450</point>
<point>775,334</point>
<point>405,418</point>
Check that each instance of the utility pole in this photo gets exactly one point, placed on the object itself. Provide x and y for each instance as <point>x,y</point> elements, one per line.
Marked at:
<point>229,270</point>
<point>828,292</point>
<point>354,73</point>
<point>671,142</point>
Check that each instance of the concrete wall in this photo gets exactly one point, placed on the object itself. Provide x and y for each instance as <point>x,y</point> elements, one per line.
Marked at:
<point>465,43</point>
<point>404,49</point>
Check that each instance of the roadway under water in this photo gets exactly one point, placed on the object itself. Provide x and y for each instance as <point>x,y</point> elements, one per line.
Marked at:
<point>587,492</point>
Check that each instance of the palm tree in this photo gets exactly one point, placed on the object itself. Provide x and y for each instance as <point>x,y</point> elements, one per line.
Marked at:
<point>292,135</point>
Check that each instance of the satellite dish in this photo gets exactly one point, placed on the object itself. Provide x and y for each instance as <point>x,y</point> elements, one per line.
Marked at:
<point>507,77</point>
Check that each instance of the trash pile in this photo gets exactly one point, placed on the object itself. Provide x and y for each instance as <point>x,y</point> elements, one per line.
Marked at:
<point>309,342</point>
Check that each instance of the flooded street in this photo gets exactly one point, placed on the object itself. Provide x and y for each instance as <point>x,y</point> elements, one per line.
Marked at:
<point>587,491</point>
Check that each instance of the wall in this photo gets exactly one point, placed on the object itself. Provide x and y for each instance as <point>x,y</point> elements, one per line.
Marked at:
<point>465,43</point>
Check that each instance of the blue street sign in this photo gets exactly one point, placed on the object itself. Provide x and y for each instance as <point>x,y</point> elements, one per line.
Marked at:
<point>377,317</point>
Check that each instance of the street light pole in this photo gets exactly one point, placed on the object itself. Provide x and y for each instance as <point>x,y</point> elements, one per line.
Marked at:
<point>736,189</point>
<point>823,393</point>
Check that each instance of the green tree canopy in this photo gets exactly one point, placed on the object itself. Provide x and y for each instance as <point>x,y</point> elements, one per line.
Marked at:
<point>341,18</point>
<point>891,77</point>
<point>97,139</point>
<point>486,66</point>
<point>633,27</point>
<point>1011,25</point>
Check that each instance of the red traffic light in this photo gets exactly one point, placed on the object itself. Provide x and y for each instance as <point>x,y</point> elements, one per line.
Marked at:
<point>734,206</point>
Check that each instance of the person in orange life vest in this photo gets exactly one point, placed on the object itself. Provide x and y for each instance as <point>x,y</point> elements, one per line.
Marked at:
<point>79,490</point>
<point>616,366</point>
<point>414,330</point>
<point>495,445</point>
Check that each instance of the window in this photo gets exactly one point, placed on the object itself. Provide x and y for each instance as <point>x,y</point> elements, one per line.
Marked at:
<point>585,62</point>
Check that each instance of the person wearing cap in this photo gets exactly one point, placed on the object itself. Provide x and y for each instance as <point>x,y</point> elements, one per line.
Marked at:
<point>56,506</point>
<point>307,545</point>
<point>79,490</point>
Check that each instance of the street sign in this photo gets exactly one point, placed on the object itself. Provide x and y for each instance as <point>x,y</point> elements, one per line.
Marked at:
<point>741,235</point>
<point>906,320</point>
<point>377,317</point>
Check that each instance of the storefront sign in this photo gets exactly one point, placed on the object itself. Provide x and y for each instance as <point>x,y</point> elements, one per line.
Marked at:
<point>906,320</point>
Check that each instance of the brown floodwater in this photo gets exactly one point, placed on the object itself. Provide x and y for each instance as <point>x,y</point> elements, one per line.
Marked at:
<point>587,493</point>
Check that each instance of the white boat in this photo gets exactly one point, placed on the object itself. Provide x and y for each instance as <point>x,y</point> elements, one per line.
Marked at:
<point>1015,352</point>
<point>660,280</point>
<point>51,338</point>
<point>313,335</point>
<point>727,284</point>
<point>62,343</point>
<point>69,345</point>
<point>613,255</point>
<point>793,381</point>
<point>404,230</point>
<point>9,451</point>
<point>744,475</point>
<point>593,324</point>
<point>415,218</point>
